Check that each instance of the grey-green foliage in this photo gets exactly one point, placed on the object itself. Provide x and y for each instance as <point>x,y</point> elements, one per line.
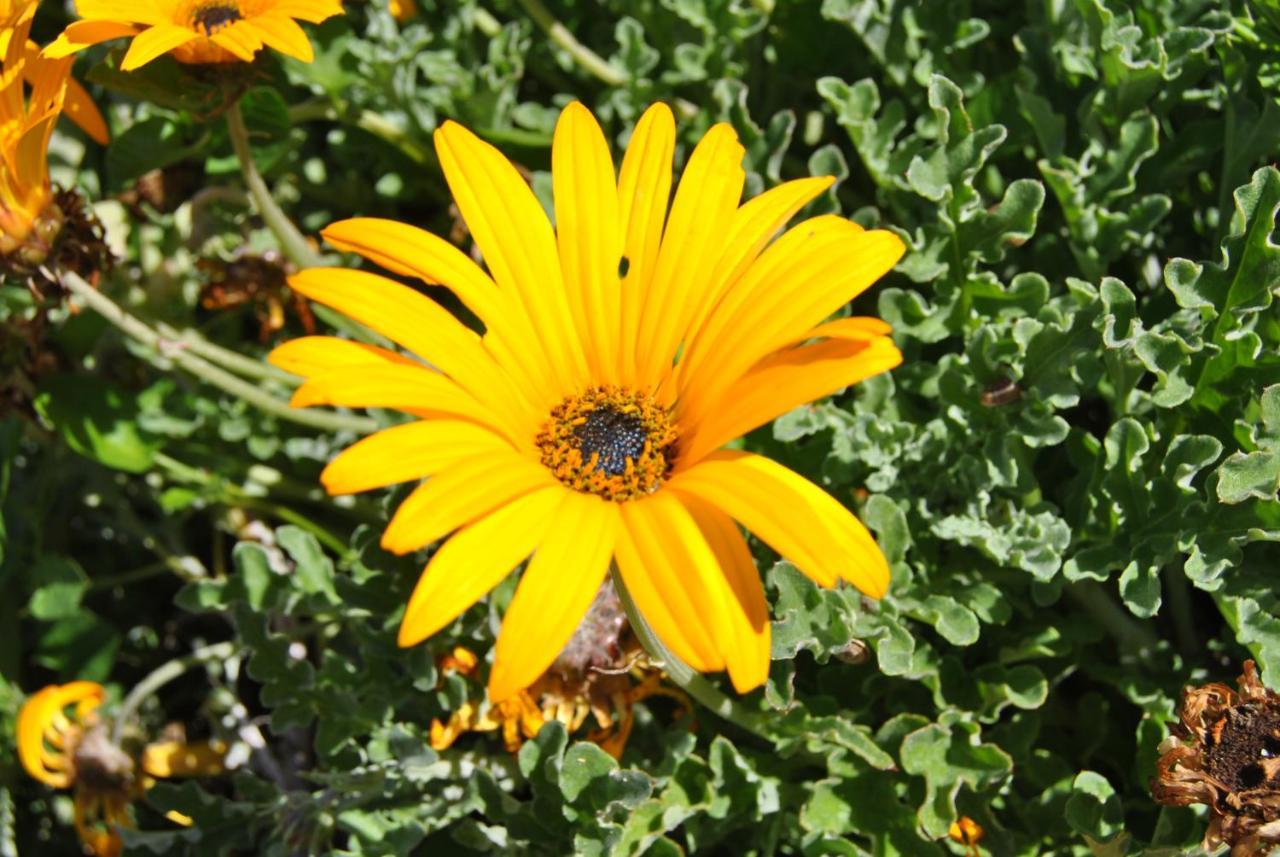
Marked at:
<point>1073,474</point>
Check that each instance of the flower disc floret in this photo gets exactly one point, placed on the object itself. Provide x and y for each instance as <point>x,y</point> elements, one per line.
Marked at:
<point>210,16</point>
<point>616,443</point>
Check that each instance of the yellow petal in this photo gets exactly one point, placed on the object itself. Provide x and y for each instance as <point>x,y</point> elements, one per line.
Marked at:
<point>425,328</point>
<point>315,355</point>
<point>167,759</point>
<point>312,11</point>
<point>410,451</point>
<point>153,42</point>
<point>784,381</point>
<point>80,109</point>
<point>557,588</point>
<point>241,39</point>
<point>586,199</point>
<point>748,654</point>
<point>414,252</point>
<point>792,515</point>
<point>700,215</point>
<point>751,227</point>
<point>655,567</point>
<point>644,188</point>
<point>459,494</point>
<point>803,277</point>
<point>77,105</point>
<point>136,11</point>
<point>284,35</point>
<point>701,583</point>
<point>512,231</point>
<point>392,385</point>
<point>81,34</point>
<point>474,561</point>
<point>38,720</point>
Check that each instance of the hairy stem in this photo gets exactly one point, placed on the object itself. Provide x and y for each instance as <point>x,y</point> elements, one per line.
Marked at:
<point>292,242</point>
<point>203,369</point>
<point>582,55</point>
<point>681,674</point>
<point>162,675</point>
<point>225,357</point>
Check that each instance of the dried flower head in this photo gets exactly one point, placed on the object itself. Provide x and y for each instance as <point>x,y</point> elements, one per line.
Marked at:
<point>257,281</point>
<point>1225,753</point>
<point>601,673</point>
<point>63,743</point>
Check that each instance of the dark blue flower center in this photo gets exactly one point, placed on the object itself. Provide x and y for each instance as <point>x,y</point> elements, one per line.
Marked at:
<point>612,435</point>
<point>215,16</point>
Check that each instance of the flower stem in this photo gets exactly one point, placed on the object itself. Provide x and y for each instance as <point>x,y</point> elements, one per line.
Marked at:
<point>583,55</point>
<point>234,495</point>
<point>1133,637</point>
<point>225,357</point>
<point>206,371</point>
<point>681,674</point>
<point>161,676</point>
<point>292,242</point>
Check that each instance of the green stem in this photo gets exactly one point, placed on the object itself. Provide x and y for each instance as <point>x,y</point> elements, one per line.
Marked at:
<point>1184,626</point>
<point>145,572</point>
<point>681,674</point>
<point>1132,637</point>
<point>292,242</point>
<point>584,56</point>
<point>289,516</point>
<point>378,126</point>
<point>225,357</point>
<point>205,370</point>
<point>162,675</point>
<point>233,495</point>
<point>374,123</point>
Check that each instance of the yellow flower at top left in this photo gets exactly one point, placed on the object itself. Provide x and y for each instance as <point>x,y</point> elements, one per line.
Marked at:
<point>26,124</point>
<point>78,106</point>
<point>195,31</point>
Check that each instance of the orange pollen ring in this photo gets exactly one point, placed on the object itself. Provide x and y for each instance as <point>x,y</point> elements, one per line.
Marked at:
<point>209,17</point>
<point>610,441</point>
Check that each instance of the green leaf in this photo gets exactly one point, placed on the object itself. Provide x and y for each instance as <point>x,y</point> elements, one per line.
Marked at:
<point>1233,294</point>
<point>312,570</point>
<point>1255,474</point>
<point>61,585</point>
<point>151,144</point>
<point>1093,810</point>
<point>807,617</point>
<point>949,757</point>
<point>97,420</point>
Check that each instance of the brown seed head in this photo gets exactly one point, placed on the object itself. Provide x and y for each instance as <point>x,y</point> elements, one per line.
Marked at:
<point>1225,754</point>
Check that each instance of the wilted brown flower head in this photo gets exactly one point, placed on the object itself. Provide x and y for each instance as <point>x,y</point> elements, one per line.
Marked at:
<point>1225,753</point>
<point>257,281</point>
<point>601,673</point>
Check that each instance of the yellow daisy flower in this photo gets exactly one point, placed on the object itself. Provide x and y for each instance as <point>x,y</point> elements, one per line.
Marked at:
<point>622,350</point>
<point>195,31</point>
<point>65,745</point>
<point>26,123</point>
<point>77,106</point>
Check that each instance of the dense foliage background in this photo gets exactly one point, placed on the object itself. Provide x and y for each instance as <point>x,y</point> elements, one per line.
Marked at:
<point>1074,472</point>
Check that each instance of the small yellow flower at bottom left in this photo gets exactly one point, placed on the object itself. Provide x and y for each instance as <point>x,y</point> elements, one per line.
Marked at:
<point>64,743</point>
